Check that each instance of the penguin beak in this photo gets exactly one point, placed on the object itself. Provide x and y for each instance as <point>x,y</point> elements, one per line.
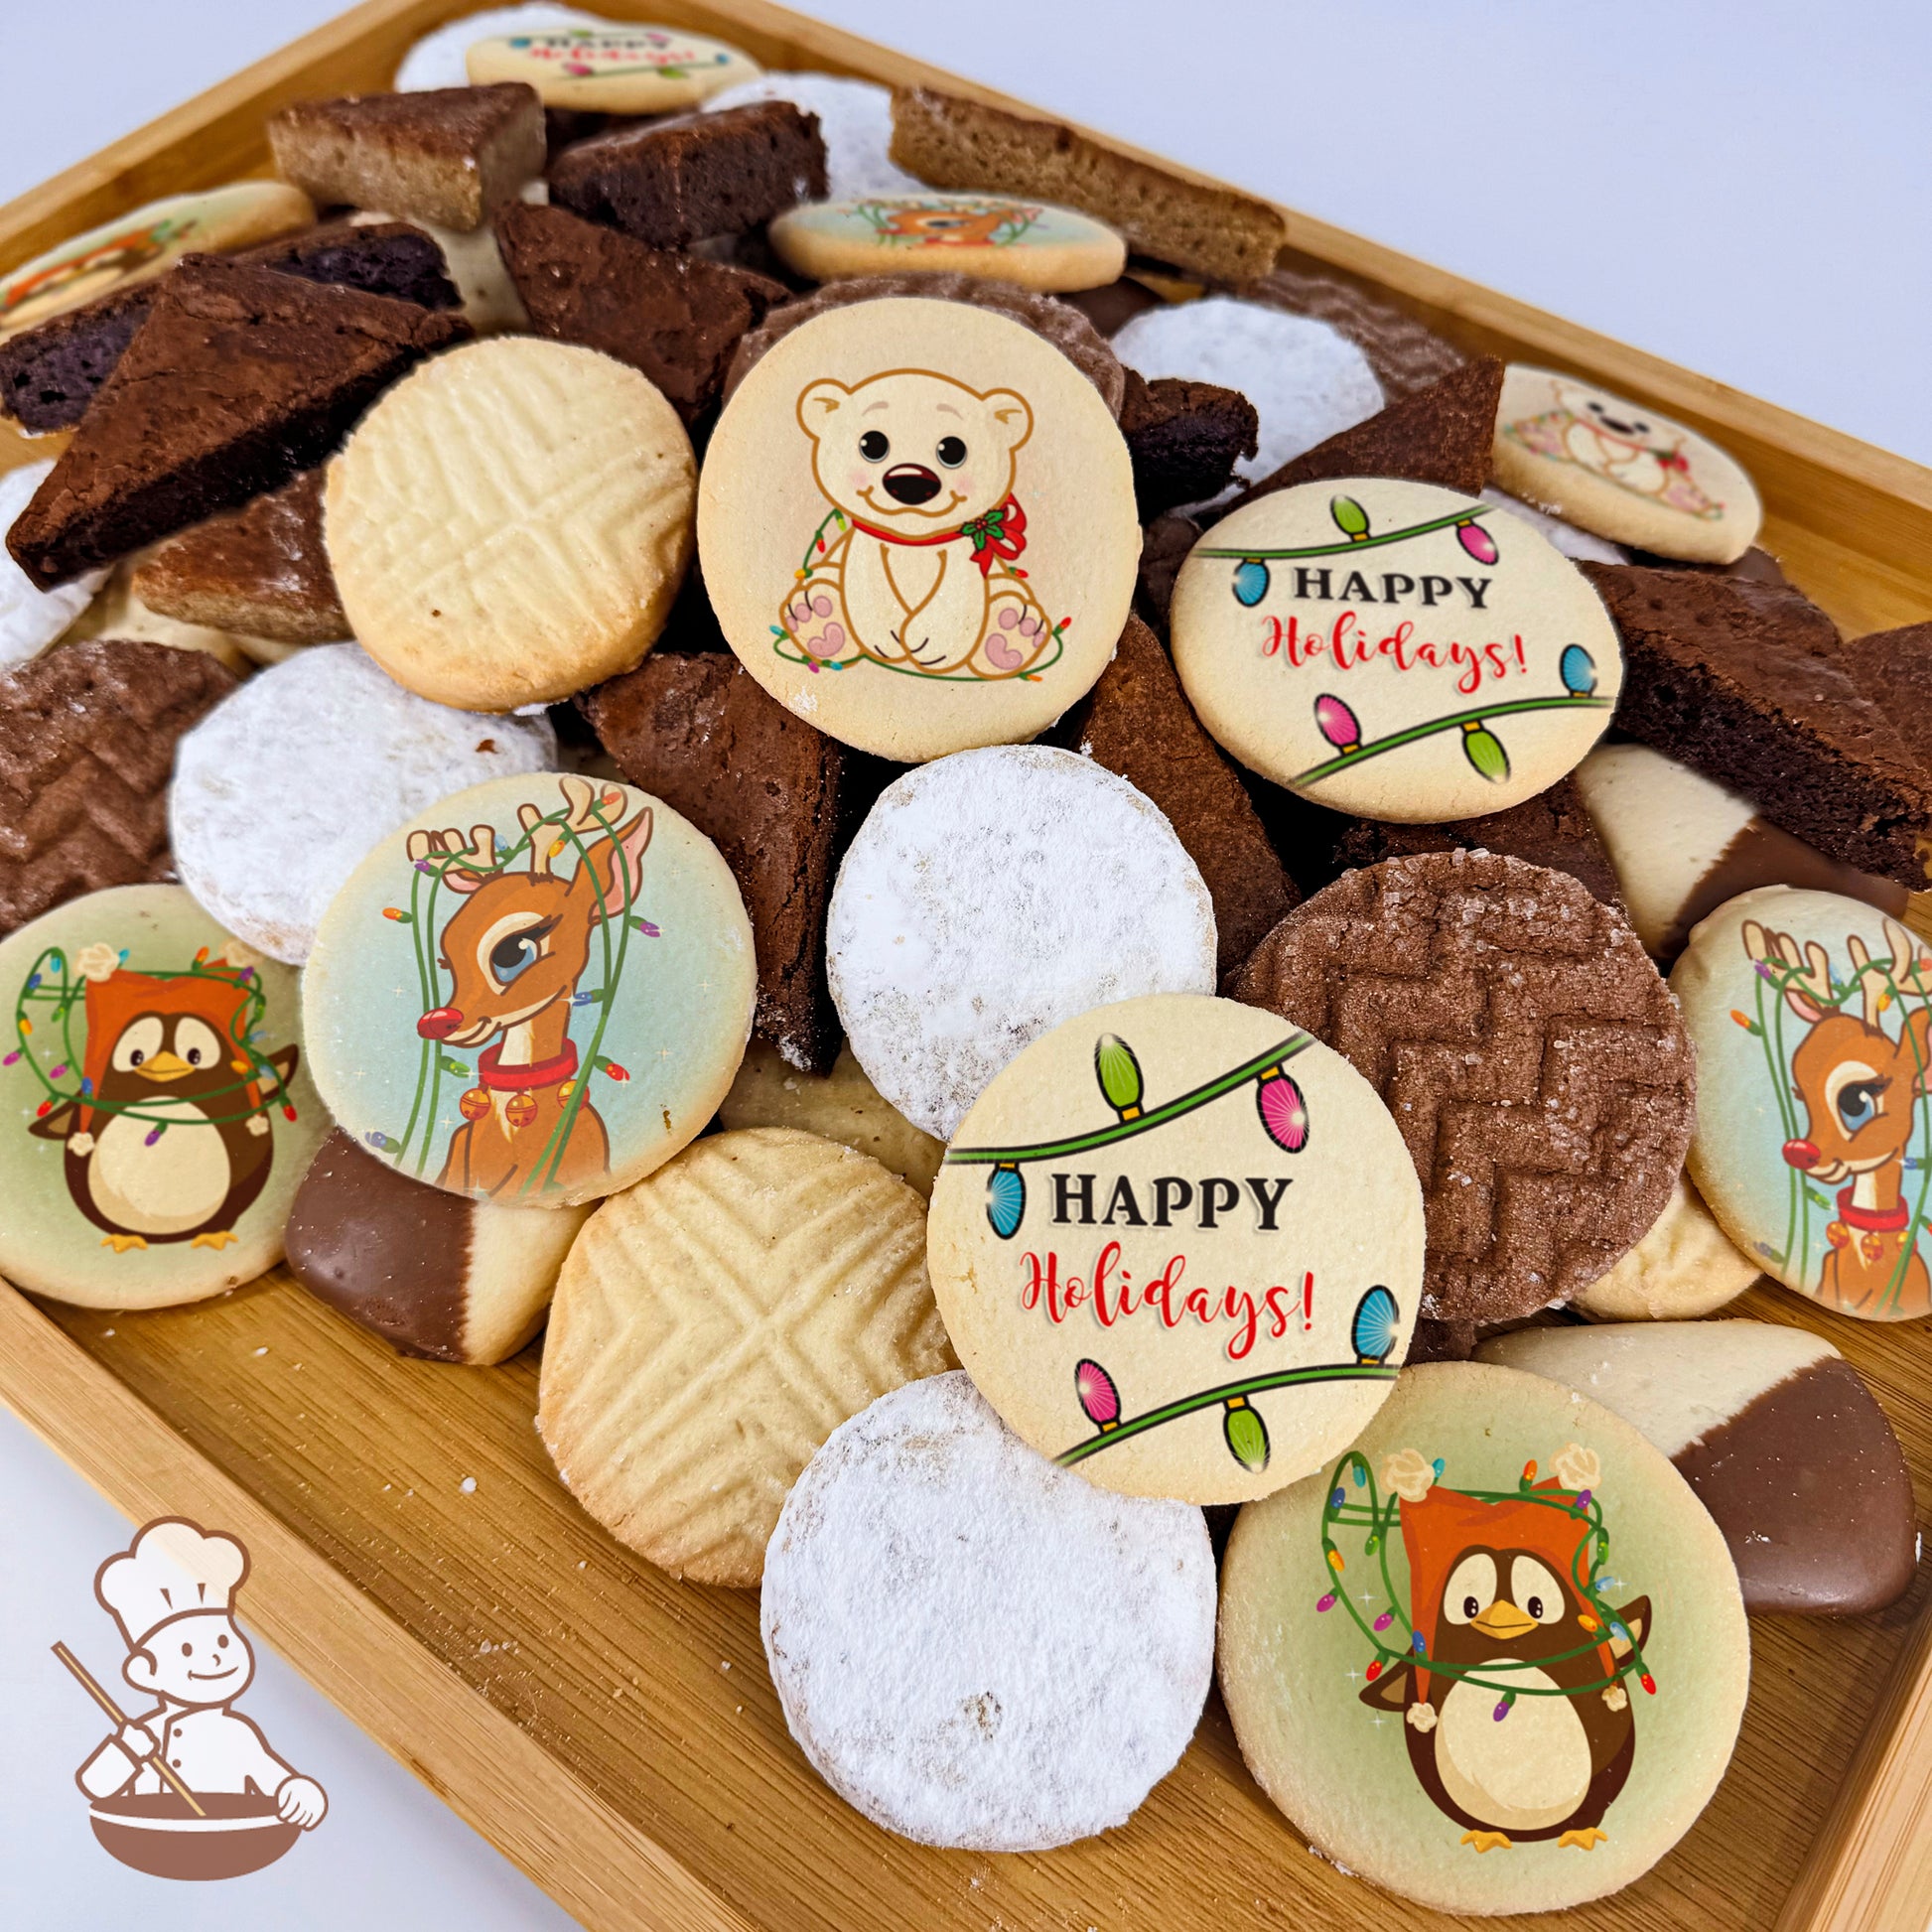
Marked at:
<point>1504,1621</point>
<point>165,1066</point>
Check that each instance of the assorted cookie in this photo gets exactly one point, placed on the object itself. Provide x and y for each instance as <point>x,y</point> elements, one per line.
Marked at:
<point>611,69</point>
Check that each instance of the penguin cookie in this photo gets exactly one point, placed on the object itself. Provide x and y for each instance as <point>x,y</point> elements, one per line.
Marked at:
<point>155,1111</point>
<point>1496,1656</point>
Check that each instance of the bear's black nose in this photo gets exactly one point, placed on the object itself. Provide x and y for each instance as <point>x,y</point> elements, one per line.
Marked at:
<point>910,482</point>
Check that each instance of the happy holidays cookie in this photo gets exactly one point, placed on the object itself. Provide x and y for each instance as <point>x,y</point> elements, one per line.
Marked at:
<point>1394,650</point>
<point>1812,1014</point>
<point>156,1114</point>
<point>1621,469</point>
<point>1179,1246</point>
<point>582,941</point>
<point>611,69</point>
<point>1494,1657</point>
<point>917,528</point>
<point>1028,242</point>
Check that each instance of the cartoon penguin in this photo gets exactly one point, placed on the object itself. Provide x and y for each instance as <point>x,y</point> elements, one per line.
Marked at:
<point>172,1141</point>
<point>1492,1591</point>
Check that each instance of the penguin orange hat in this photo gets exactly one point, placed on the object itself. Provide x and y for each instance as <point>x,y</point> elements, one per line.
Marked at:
<point>119,998</point>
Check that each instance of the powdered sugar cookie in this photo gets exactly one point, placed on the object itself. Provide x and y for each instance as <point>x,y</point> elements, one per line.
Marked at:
<point>438,59</point>
<point>30,618</point>
<point>914,1615</point>
<point>280,790</point>
<point>990,896</point>
<point>1308,381</point>
<point>612,69</point>
<point>855,120</point>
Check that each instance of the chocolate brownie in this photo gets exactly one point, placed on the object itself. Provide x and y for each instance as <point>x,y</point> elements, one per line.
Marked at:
<point>1894,668</point>
<point>701,734</point>
<point>1749,684</point>
<point>1057,322</point>
<point>1137,722</point>
<point>1185,439</point>
<point>261,570</point>
<point>674,182</point>
<point>448,155</point>
<point>87,735</point>
<point>239,380</point>
<point>1165,545</point>
<point>677,318</point>
<point>1440,1342</point>
<point>1528,1051</point>
<point>1404,355</point>
<point>1112,307</point>
<point>50,373</point>
<point>1551,829</point>
<point>1442,434</point>
<point>950,142</point>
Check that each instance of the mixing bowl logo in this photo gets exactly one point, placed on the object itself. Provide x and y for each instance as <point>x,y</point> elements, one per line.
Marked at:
<point>188,1787</point>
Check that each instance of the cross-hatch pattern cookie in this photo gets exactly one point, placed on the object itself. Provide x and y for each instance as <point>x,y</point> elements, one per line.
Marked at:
<point>1536,1064</point>
<point>513,524</point>
<point>715,1323</point>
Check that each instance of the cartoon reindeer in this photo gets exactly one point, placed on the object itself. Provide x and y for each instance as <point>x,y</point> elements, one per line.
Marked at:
<point>1861,1091</point>
<point>515,949</point>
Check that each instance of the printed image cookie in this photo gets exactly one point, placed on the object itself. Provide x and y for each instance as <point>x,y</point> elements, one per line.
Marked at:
<point>1178,1245</point>
<point>583,941</point>
<point>1028,242</point>
<point>917,528</point>
<point>1394,650</point>
<point>1812,1014</point>
<point>1499,1623</point>
<point>915,1613</point>
<point>611,69</point>
<point>139,246</point>
<point>1621,469</point>
<point>438,59</point>
<point>158,1115</point>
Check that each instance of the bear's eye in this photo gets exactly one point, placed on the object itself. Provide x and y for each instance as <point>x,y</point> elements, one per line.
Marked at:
<point>951,452</point>
<point>873,447</point>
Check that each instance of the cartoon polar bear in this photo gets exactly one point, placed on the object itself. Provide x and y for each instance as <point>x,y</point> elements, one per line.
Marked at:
<point>1622,447</point>
<point>923,576</point>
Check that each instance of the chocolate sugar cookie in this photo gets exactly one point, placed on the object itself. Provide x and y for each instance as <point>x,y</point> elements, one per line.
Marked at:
<point>1535,1061</point>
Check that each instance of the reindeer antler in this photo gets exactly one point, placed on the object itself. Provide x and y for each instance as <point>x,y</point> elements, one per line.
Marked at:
<point>478,849</point>
<point>1807,976</point>
<point>1911,969</point>
<point>582,799</point>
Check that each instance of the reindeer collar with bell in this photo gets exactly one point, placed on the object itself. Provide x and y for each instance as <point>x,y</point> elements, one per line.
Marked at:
<point>1872,1220</point>
<point>534,1073</point>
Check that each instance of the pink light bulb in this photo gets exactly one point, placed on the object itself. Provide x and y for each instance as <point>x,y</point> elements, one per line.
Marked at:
<point>1336,723</point>
<point>1098,1396</point>
<point>1477,542</point>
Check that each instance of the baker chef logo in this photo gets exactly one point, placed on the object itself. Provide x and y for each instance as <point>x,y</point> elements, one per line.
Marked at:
<point>188,1787</point>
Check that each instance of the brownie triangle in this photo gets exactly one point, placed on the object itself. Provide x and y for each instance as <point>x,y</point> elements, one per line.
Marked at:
<point>239,380</point>
<point>1894,671</point>
<point>1439,435</point>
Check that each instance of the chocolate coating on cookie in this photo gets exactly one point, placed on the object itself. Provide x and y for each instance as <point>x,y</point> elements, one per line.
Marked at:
<point>1534,1060</point>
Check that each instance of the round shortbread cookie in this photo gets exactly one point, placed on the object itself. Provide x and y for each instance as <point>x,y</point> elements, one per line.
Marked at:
<point>1030,243</point>
<point>1501,1624</point>
<point>1684,1267</point>
<point>438,59</point>
<point>282,789</point>
<point>159,1106</point>
<point>990,896</point>
<point>1179,1246</point>
<point>1307,380</point>
<point>715,1323</point>
<point>915,1620</point>
<point>1394,648</point>
<point>854,121</point>
<point>30,619</point>
<point>512,522</point>
<point>611,69</point>
<point>584,940</point>
<point>917,527</point>
<point>1812,1014</point>
<point>1621,469</point>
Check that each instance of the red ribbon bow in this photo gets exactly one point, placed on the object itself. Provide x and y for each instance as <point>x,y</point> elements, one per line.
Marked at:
<point>1000,532</point>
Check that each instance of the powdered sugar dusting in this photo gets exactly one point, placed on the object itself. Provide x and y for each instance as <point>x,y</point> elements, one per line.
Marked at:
<point>1566,537</point>
<point>284,787</point>
<point>988,896</point>
<point>977,1648</point>
<point>30,619</point>
<point>854,116</point>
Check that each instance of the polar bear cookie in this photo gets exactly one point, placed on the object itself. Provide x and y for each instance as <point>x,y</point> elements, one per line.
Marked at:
<point>1621,469</point>
<point>917,524</point>
<point>988,898</point>
<point>915,1609</point>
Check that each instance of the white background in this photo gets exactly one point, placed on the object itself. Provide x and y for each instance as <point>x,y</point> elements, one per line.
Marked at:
<point>1741,188</point>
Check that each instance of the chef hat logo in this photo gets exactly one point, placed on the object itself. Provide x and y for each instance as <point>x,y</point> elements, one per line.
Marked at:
<point>172,1568</point>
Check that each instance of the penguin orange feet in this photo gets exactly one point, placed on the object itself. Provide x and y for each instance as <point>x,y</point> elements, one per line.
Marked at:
<point>120,1243</point>
<point>218,1240</point>
<point>1587,1840</point>
<point>1487,1841</point>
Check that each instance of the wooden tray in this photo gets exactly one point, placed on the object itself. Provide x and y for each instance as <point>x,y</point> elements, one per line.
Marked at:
<point>615,1733</point>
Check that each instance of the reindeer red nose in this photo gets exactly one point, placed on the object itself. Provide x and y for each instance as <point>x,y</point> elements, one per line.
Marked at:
<point>1801,1155</point>
<point>440,1022</point>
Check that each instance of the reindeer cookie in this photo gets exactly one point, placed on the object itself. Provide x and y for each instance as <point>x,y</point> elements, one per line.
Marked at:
<point>1621,469</point>
<point>1812,1020</point>
<point>917,528</point>
<point>533,994</point>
